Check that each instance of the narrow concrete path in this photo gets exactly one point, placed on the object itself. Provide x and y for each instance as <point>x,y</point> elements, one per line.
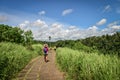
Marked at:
<point>37,69</point>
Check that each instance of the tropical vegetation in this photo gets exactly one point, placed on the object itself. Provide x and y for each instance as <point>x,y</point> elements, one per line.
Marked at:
<point>92,58</point>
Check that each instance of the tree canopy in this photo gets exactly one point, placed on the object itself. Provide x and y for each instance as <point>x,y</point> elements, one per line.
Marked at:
<point>15,34</point>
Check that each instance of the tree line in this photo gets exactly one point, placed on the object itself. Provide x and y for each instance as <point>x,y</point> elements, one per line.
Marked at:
<point>106,44</point>
<point>15,34</point>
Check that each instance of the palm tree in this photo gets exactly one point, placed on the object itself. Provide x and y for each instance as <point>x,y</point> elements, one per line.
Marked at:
<point>49,40</point>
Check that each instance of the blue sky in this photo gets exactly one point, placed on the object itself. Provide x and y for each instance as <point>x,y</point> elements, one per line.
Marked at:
<point>62,19</point>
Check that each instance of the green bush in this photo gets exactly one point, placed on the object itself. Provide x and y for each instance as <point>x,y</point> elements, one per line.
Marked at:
<point>82,66</point>
<point>13,58</point>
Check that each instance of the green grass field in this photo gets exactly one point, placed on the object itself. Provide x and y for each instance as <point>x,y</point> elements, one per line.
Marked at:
<point>80,65</point>
<point>14,57</point>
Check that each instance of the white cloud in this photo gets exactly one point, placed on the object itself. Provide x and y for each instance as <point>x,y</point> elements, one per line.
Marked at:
<point>22,25</point>
<point>3,18</point>
<point>114,25</point>
<point>107,8</point>
<point>67,11</point>
<point>57,25</point>
<point>42,29</point>
<point>93,28</point>
<point>72,27</point>
<point>42,13</point>
<point>117,27</point>
<point>101,22</point>
<point>38,23</point>
<point>25,25</point>
<point>59,31</point>
<point>27,22</point>
<point>15,19</point>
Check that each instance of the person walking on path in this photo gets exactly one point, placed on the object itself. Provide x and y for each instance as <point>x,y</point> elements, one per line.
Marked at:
<point>45,51</point>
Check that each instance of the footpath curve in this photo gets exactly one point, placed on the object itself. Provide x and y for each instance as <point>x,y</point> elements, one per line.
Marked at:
<point>37,69</point>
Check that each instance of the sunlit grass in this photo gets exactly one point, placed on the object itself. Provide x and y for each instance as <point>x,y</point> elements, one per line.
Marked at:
<point>13,58</point>
<point>38,48</point>
<point>82,66</point>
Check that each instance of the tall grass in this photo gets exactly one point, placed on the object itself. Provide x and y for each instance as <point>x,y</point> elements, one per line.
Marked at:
<point>82,66</point>
<point>38,48</point>
<point>13,58</point>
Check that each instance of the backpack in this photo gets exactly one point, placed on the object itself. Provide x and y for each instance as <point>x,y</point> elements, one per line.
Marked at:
<point>45,50</point>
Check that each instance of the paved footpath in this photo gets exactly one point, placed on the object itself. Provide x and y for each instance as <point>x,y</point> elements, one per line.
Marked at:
<point>37,69</point>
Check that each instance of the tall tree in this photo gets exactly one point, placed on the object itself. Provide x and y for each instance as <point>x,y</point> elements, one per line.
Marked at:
<point>28,37</point>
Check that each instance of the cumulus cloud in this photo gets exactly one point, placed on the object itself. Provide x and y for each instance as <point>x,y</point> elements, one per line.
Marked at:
<point>3,18</point>
<point>93,28</point>
<point>25,25</point>
<point>39,23</point>
<point>28,24</point>
<point>114,25</point>
<point>72,27</point>
<point>42,13</point>
<point>101,22</point>
<point>117,27</point>
<point>56,25</point>
<point>107,8</point>
<point>58,31</point>
<point>67,11</point>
